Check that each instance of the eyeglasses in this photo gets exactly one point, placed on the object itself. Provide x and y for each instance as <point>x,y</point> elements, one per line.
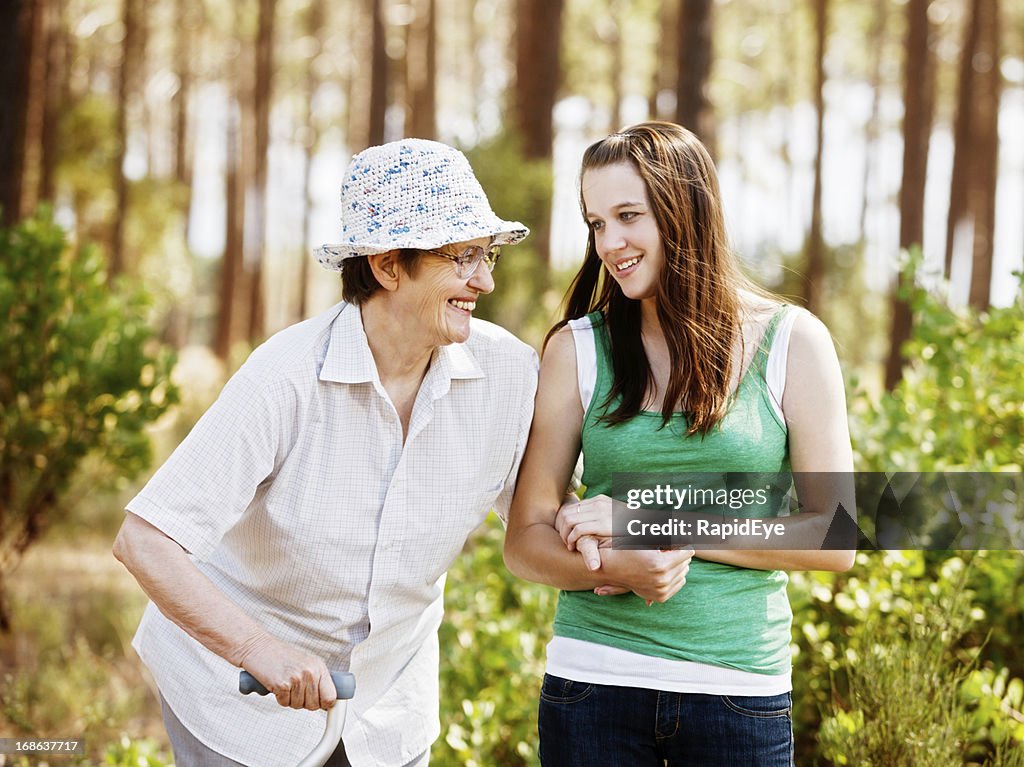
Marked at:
<point>467,262</point>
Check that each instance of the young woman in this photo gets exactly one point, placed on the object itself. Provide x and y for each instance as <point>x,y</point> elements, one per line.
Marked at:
<point>671,361</point>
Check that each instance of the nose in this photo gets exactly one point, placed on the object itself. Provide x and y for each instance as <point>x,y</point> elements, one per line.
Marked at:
<point>482,281</point>
<point>610,239</point>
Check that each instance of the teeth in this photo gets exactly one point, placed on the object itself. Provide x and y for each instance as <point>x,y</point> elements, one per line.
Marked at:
<point>467,305</point>
<point>627,264</point>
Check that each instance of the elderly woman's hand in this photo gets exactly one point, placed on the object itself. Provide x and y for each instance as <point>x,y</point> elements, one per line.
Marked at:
<point>296,678</point>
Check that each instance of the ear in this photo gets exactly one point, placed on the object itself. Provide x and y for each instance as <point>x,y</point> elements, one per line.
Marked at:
<point>385,269</point>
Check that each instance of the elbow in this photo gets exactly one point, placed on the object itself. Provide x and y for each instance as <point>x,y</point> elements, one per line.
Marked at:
<point>133,545</point>
<point>510,556</point>
<point>121,549</point>
<point>515,553</point>
<point>841,561</point>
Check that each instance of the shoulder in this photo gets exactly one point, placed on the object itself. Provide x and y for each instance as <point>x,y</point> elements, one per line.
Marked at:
<point>814,377</point>
<point>561,347</point>
<point>809,340</point>
<point>292,356</point>
<point>494,346</point>
<point>489,338</point>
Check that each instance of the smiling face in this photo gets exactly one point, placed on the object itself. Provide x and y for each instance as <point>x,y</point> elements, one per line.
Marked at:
<point>626,234</point>
<point>441,302</point>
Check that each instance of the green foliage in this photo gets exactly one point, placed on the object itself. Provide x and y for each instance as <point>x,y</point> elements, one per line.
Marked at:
<point>855,315</point>
<point>65,672</point>
<point>900,656</point>
<point>87,156</point>
<point>901,704</point>
<point>860,638</point>
<point>960,404</point>
<point>80,375</point>
<point>492,659</point>
<point>135,753</point>
<point>526,297</point>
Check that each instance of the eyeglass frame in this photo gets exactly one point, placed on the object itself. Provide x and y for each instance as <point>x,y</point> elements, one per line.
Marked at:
<point>489,256</point>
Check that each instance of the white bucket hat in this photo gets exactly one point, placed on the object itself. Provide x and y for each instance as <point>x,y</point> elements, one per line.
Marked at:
<point>412,193</point>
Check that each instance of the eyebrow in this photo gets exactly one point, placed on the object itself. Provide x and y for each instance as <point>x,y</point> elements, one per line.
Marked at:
<point>637,204</point>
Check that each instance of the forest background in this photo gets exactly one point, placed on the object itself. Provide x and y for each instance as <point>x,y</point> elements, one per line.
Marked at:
<point>167,166</point>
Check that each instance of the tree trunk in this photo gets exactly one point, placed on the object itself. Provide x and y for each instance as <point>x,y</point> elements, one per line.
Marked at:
<point>368,85</point>
<point>617,13</point>
<point>962,144</point>
<point>232,274</point>
<point>132,19</point>
<point>35,107</point>
<point>16,17</point>
<point>693,65</point>
<point>56,82</point>
<point>782,94</point>
<point>421,71</point>
<point>815,268</point>
<point>233,314</point>
<point>663,82</point>
<point>475,66</point>
<point>255,240</point>
<point>378,75</point>
<point>315,23</point>
<point>537,52</point>
<point>918,98</point>
<point>985,138</point>
<point>970,226</point>
<point>187,28</point>
<point>538,47</point>
<point>877,45</point>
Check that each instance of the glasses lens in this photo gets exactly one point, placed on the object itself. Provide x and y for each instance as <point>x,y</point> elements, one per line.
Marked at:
<point>467,262</point>
<point>491,259</point>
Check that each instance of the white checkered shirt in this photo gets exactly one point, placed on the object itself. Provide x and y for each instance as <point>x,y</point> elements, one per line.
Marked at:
<point>295,495</point>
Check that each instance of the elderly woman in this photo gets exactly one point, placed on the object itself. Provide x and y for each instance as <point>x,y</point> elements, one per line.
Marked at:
<point>308,520</point>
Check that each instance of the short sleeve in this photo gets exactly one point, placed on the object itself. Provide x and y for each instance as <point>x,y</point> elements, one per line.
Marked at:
<point>206,485</point>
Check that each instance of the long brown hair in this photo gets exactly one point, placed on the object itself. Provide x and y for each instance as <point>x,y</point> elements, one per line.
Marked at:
<point>698,303</point>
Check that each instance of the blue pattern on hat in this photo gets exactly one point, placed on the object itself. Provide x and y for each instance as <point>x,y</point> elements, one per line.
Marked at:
<point>413,194</point>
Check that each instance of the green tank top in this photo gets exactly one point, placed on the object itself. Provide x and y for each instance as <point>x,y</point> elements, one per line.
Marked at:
<point>724,615</point>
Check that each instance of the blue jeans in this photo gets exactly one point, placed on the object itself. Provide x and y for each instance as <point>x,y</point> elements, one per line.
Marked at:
<point>583,724</point>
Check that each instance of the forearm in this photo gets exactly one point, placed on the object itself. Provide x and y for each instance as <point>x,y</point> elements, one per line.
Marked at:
<point>797,544</point>
<point>536,553</point>
<point>184,595</point>
<point>780,559</point>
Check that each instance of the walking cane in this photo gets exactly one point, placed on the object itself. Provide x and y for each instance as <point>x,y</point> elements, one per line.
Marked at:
<point>344,684</point>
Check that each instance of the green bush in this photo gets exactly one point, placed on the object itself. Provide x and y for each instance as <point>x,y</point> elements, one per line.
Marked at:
<point>909,677</point>
<point>135,753</point>
<point>900,703</point>
<point>80,375</point>
<point>960,404</point>
<point>492,659</point>
<point>527,293</point>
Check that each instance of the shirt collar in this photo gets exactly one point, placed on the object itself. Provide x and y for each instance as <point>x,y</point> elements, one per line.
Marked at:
<point>349,359</point>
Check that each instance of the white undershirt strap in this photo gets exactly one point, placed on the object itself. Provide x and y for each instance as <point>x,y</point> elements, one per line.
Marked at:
<point>775,375</point>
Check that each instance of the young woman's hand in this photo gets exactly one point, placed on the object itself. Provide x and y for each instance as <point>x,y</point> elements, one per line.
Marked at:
<point>590,517</point>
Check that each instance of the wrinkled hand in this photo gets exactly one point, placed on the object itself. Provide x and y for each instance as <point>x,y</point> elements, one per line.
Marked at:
<point>296,678</point>
<point>653,575</point>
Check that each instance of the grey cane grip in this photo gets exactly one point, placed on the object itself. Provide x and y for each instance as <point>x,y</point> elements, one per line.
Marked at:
<point>344,684</point>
